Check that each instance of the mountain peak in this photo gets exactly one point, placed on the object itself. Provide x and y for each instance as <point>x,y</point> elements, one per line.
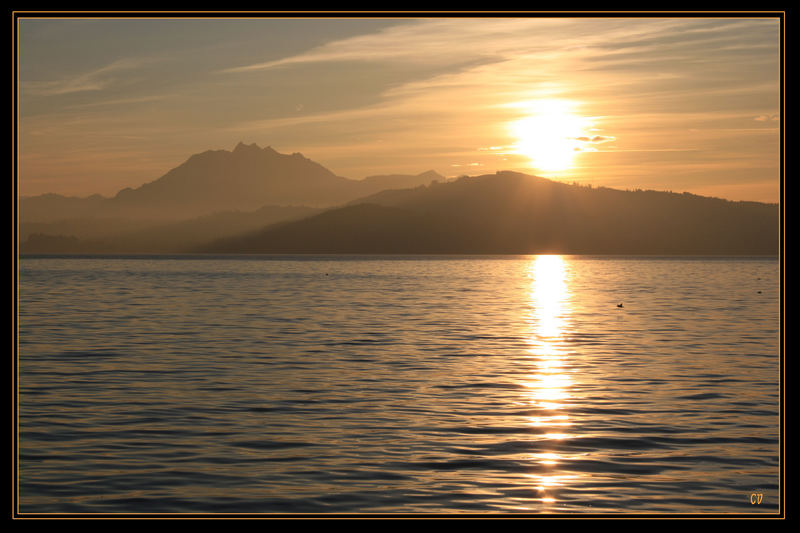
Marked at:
<point>431,174</point>
<point>241,147</point>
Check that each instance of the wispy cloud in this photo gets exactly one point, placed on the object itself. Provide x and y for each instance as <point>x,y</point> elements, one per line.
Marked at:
<point>596,139</point>
<point>120,101</point>
<point>95,80</point>
<point>439,41</point>
<point>767,118</point>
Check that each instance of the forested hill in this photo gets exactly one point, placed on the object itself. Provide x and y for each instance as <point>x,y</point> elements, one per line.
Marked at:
<point>515,213</point>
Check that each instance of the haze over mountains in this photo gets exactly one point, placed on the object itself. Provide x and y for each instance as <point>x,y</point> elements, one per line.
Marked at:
<point>254,200</point>
<point>211,195</point>
<point>244,179</point>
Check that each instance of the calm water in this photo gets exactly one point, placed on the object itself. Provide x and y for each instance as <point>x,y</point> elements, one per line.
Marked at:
<point>398,385</point>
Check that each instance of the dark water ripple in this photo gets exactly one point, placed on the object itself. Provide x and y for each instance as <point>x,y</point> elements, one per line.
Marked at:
<point>398,385</point>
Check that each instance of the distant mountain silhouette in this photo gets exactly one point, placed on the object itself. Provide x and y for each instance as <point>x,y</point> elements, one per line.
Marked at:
<point>515,213</point>
<point>53,244</point>
<point>52,207</point>
<point>244,179</point>
<point>215,202</point>
<point>87,235</point>
<point>375,184</point>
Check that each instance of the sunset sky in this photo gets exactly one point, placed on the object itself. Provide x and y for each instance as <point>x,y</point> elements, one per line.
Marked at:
<point>683,104</point>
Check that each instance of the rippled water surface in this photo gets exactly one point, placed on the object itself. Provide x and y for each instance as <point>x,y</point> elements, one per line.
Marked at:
<point>398,385</point>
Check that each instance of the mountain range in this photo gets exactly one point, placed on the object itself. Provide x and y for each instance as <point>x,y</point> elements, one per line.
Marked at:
<point>244,179</point>
<point>254,200</point>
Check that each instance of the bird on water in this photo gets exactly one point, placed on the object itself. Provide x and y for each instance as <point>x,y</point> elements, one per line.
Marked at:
<point>620,304</point>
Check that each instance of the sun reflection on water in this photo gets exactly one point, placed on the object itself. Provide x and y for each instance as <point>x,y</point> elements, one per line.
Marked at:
<point>548,387</point>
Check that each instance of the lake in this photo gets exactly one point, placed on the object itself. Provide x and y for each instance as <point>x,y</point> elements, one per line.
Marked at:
<point>409,384</point>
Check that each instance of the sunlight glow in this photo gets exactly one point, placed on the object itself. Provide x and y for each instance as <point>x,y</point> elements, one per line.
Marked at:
<point>554,420</point>
<point>548,387</point>
<point>549,293</point>
<point>551,134</point>
<point>544,482</point>
<point>548,458</point>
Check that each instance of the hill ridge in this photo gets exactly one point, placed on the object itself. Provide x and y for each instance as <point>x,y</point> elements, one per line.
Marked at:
<point>514,213</point>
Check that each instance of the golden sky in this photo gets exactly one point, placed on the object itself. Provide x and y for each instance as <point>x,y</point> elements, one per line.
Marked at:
<point>683,103</point>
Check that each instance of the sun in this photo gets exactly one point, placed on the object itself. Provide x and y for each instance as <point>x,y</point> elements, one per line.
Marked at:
<point>551,134</point>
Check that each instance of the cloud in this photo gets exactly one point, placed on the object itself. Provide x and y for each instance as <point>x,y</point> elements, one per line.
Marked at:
<point>478,65</point>
<point>767,118</point>
<point>95,80</point>
<point>611,43</point>
<point>119,101</point>
<point>430,42</point>
<point>596,139</point>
